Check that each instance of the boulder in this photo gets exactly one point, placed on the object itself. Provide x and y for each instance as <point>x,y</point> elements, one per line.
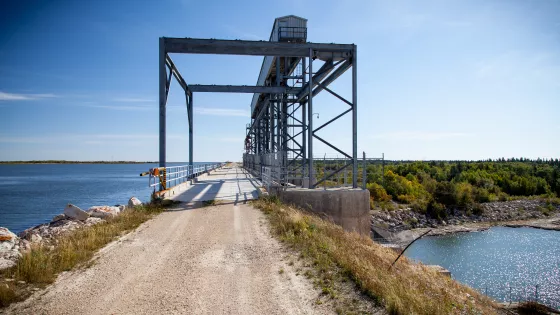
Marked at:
<point>24,245</point>
<point>59,217</point>
<point>6,235</point>
<point>133,202</point>
<point>93,220</point>
<point>121,207</point>
<point>75,213</point>
<point>35,238</point>
<point>6,246</point>
<point>103,211</point>
<point>6,263</point>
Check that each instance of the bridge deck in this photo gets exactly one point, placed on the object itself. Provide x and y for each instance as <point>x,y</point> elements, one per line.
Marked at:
<point>228,183</point>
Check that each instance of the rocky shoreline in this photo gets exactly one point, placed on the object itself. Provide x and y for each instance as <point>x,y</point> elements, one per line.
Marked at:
<point>403,225</point>
<point>12,246</point>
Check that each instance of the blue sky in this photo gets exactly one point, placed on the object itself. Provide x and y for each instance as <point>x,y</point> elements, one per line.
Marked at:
<point>436,79</point>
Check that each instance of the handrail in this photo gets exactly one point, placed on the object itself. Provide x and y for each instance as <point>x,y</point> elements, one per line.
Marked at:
<point>167,177</point>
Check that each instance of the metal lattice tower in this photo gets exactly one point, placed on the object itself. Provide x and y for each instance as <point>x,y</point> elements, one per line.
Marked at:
<point>281,134</point>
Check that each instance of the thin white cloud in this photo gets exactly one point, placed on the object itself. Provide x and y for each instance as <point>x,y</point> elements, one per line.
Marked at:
<point>222,112</point>
<point>8,139</point>
<point>132,108</point>
<point>456,23</point>
<point>242,34</point>
<point>126,136</point>
<point>133,100</point>
<point>420,135</point>
<point>94,142</point>
<point>23,97</point>
<point>226,139</point>
<point>85,138</point>
<point>520,66</point>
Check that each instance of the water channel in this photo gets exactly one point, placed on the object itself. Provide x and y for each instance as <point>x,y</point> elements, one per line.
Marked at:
<point>504,263</point>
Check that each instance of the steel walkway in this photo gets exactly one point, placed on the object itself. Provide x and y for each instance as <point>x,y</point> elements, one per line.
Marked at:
<point>227,183</point>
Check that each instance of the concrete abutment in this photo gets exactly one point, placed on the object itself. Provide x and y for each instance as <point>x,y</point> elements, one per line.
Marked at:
<point>346,207</point>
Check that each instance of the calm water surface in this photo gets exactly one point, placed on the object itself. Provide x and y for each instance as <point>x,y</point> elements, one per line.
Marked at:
<point>499,260</point>
<point>31,194</point>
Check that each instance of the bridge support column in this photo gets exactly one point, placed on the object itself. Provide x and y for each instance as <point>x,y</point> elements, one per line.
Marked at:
<point>310,122</point>
<point>163,90</point>
<point>355,119</point>
<point>190,115</point>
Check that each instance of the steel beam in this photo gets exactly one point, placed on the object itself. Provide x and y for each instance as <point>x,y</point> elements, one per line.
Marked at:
<point>258,118</point>
<point>330,79</point>
<point>323,71</point>
<point>240,89</point>
<point>257,48</point>
<point>330,121</point>
<point>334,94</point>
<point>332,146</point>
<point>176,74</point>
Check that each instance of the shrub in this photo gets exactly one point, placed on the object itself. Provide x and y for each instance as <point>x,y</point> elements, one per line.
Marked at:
<point>464,194</point>
<point>406,198</point>
<point>420,205</point>
<point>481,195</point>
<point>387,206</point>
<point>436,210</point>
<point>478,210</point>
<point>446,193</point>
<point>503,196</point>
<point>377,192</point>
<point>544,211</point>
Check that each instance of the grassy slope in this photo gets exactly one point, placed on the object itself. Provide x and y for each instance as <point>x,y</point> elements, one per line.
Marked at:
<point>41,265</point>
<point>407,288</point>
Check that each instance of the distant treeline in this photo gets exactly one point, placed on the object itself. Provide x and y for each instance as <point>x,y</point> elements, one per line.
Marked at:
<point>550,161</point>
<point>435,185</point>
<point>73,162</point>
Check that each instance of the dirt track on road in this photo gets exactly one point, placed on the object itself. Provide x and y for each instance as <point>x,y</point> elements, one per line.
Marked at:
<point>213,260</point>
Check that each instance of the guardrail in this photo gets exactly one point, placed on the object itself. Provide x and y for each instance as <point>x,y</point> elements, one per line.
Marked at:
<point>167,177</point>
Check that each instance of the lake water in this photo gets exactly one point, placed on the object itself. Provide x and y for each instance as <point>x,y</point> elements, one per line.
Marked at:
<point>32,194</point>
<point>507,263</point>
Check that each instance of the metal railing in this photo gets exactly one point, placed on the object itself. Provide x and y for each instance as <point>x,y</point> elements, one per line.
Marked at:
<point>327,172</point>
<point>167,177</point>
<point>266,178</point>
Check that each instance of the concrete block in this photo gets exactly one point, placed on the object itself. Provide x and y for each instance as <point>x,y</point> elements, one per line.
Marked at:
<point>440,270</point>
<point>348,208</point>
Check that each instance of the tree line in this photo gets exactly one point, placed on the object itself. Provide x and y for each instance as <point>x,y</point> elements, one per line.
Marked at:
<point>434,186</point>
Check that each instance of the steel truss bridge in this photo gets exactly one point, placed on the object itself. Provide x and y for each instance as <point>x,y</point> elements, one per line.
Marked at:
<point>281,133</point>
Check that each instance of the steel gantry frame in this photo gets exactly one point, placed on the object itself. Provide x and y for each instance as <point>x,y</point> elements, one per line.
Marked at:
<point>284,111</point>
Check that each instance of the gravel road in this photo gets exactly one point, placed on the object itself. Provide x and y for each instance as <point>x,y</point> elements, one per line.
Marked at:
<point>213,260</point>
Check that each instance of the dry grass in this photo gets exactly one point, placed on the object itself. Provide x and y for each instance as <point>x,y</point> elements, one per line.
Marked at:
<point>41,264</point>
<point>407,288</point>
